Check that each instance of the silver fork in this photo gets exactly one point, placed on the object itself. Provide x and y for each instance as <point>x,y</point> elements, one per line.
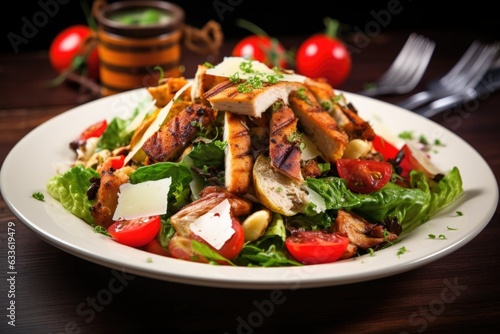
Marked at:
<point>465,74</point>
<point>406,70</point>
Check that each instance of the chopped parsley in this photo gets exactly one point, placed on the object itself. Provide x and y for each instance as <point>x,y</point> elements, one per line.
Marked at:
<point>39,196</point>
<point>460,213</point>
<point>401,251</point>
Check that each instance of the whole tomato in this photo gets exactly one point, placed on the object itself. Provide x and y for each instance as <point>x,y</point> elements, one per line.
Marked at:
<point>260,46</point>
<point>324,56</point>
<point>69,50</point>
<point>263,49</point>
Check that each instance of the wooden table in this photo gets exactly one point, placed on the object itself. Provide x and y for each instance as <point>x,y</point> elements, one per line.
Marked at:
<point>53,288</point>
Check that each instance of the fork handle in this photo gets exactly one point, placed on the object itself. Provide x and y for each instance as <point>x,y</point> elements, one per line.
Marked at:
<point>417,100</point>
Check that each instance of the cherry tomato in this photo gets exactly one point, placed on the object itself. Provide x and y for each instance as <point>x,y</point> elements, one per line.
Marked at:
<point>233,246</point>
<point>415,159</point>
<point>117,162</point>
<point>180,247</point>
<point>364,176</point>
<point>263,49</point>
<point>154,247</point>
<point>385,148</point>
<point>67,45</point>
<point>324,56</point>
<point>135,232</point>
<point>94,130</point>
<point>314,247</point>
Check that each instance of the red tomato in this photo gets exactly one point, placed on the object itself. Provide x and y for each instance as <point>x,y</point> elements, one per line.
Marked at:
<point>94,130</point>
<point>154,247</point>
<point>135,232</point>
<point>117,162</point>
<point>324,56</point>
<point>364,176</point>
<point>233,246</point>
<point>385,148</point>
<point>180,247</point>
<point>67,45</point>
<point>415,159</point>
<point>263,49</point>
<point>314,247</point>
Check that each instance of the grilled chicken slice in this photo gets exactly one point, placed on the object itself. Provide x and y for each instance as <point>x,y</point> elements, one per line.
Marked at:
<point>238,155</point>
<point>202,83</point>
<point>172,139</point>
<point>344,113</point>
<point>283,143</point>
<point>323,130</point>
<point>360,232</point>
<point>209,199</point>
<point>225,96</point>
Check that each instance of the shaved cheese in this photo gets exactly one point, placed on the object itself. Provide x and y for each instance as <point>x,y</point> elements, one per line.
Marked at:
<point>316,199</point>
<point>156,124</point>
<point>215,226</point>
<point>231,65</point>
<point>142,199</point>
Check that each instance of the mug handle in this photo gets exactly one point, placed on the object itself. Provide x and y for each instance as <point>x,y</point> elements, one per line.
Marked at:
<point>204,41</point>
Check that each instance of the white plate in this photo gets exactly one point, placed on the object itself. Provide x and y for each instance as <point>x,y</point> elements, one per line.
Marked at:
<point>30,164</point>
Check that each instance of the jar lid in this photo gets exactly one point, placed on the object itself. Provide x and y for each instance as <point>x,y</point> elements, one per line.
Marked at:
<point>106,16</point>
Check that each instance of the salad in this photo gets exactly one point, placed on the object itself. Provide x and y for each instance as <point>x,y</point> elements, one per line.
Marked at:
<point>249,166</point>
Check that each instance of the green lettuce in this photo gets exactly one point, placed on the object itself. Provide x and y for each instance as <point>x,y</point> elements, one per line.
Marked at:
<point>70,189</point>
<point>410,207</point>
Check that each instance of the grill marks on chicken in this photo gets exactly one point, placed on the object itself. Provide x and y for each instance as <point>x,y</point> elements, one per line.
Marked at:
<point>330,139</point>
<point>283,149</point>
<point>107,194</point>
<point>170,141</point>
<point>226,96</point>
<point>238,154</point>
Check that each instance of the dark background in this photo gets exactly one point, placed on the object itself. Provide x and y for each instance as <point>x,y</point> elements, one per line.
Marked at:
<point>276,18</point>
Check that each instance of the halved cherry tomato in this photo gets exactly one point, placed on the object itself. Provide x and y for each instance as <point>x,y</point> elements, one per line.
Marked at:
<point>364,176</point>
<point>385,148</point>
<point>135,232</point>
<point>415,159</point>
<point>233,246</point>
<point>180,247</point>
<point>154,247</point>
<point>94,130</point>
<point>117,161</point>
<point>314,247</point>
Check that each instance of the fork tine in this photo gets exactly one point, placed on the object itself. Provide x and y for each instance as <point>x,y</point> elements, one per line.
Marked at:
<point>469,55</point>
<point>412,44</point>
<point>406,69</point>
<point>415,66</point>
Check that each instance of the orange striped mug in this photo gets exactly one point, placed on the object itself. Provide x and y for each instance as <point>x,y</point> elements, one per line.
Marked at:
<point>134,38</point>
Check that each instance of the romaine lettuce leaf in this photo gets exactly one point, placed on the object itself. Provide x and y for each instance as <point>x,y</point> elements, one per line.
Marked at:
<point>70,189</point>
<point>410,207</point>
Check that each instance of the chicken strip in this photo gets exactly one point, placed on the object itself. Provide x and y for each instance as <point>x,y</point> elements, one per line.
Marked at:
<point>107,194</point>
<point>252,102</point>
<point>171,140</point>
<point>345,114</point>
<point>284,151</point>
<point>361,232</point>
<point>202,83</point>
<point>318,124</point>
<point>238,155</point>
